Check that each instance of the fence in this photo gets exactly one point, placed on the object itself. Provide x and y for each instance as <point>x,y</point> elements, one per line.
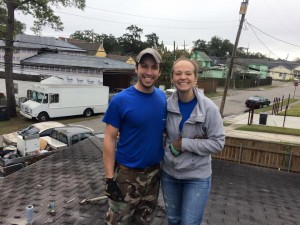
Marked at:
<point>260,153</point>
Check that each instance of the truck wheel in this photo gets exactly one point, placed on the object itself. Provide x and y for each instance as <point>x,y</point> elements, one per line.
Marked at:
<point>88,112</point>
<point>43,116</point>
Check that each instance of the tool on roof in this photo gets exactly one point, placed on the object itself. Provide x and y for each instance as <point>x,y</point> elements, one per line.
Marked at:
<point>89,200</point>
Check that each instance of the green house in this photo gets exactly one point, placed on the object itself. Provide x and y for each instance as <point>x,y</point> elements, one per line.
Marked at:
<point>203,60</point>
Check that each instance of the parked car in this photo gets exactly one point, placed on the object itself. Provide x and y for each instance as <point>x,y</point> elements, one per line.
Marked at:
<point>66,136</point>
<point>257,102</point>
<point>114,92</point>
<point>43,129</point>
<point>15,158</point>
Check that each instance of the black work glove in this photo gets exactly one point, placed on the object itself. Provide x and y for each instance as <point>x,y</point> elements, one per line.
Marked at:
<point>113,191</point>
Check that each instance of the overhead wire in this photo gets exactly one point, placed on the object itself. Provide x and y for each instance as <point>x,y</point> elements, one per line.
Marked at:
<point>272,36</point>
<point>268,48</point>
<point>157,18</point>
<point>148,25</point>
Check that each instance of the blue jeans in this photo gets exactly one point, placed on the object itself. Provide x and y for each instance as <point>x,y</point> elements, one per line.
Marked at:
<point>185,199</point>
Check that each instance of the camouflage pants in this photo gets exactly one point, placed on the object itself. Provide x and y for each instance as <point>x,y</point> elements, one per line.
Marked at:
<point>141,192</point>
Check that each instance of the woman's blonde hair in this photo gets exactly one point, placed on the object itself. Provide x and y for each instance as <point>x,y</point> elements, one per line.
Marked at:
<point>183,58</point>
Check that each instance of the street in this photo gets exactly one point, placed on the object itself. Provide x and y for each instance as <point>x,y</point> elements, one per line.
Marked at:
<point>235,100</point>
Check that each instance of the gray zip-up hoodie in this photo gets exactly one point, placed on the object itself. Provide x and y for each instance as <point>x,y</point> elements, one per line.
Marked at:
<point>202,134</point>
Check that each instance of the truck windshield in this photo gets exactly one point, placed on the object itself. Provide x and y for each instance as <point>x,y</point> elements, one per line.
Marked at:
<point>39,97</point>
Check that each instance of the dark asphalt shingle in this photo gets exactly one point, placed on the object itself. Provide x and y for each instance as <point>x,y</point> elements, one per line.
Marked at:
<point>70,175</point>
<point>241,194</point>
<point>52,59</point>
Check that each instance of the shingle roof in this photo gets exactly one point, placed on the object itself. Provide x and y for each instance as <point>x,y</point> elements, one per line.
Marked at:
<point>66,178</point>
<point>240,195</point>
<point>76,61</point>
<point>91,48</point>
<point>122,58</point>
<point>197,54</point>
<point>269,63</point>
<point>244,194</point>
<point>38,42</point>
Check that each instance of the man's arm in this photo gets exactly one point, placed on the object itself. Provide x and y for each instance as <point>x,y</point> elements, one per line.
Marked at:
<point>109,153</point>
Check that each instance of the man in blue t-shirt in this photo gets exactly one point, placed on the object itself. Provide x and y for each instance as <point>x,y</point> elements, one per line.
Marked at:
<point>132,166</point>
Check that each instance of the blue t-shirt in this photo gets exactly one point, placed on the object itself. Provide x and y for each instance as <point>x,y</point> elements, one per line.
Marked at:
<point>141,120</point>
<point>186,108</point>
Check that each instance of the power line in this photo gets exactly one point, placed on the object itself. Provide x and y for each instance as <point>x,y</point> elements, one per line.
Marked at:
<point>157,18</point>
<point>269,49</point>
<point>252,26</point>
<point>147,25</point>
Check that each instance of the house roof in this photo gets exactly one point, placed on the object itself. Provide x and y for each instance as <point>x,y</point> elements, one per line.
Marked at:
<point>91,48</point>
<point>270,63</point>
<point>241,194</point>
<point>76,61</point>
<point>65,178</point>
<point>38,42</point>
<point>122,58</point>
<point>287,64</point>
<point>202,55</point>
<point>217,61</point>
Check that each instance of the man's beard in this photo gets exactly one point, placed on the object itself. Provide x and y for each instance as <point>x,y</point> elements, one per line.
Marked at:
<point>145,85</point>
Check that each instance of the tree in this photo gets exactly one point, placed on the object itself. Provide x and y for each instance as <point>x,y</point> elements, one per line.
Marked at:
<point>135,32</point>
<point>297,60</point>
<point>200,45</point>
<point>110,43</point>
<point>152,40</point>
<point>86,35</point>
<point>214,46</point>
<point>44,16</point>
<point>19,26</point>
<point>226,48</point>
<point>131,42</point>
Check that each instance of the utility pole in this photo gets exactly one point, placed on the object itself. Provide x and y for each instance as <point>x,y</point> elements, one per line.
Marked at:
<point>243,10</point>
<point>174,52</point>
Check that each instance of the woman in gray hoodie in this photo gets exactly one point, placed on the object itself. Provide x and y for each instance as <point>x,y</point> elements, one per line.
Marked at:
<point>194,132</point>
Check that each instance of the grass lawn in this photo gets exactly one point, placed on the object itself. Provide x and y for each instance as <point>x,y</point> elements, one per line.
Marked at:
<point>15,124</point>
<point>213,94</point>
<point>294,110</point>
<point>269,129</point>
<point>269,108</point>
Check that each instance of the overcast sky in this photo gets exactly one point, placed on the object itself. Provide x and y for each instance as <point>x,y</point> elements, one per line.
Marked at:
<point>189,20</point>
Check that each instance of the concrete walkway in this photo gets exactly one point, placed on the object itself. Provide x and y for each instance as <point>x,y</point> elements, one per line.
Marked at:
<point>272,120</point>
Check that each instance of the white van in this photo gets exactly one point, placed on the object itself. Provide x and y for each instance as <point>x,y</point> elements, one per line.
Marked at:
<point>57,100</point>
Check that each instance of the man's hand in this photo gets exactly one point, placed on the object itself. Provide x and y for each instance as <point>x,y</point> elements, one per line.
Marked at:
<point>175,147</point>
<point>113,191</point>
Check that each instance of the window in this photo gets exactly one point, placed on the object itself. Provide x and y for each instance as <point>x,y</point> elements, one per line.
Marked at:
<point>54,134</point>
<point>54,98</point>
<point>45,100</point>
<point>75,139</point>
<point>63,138</point>
<point>86,135</point>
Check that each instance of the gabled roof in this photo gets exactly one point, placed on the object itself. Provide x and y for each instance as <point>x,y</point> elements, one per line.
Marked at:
<point>196,55</point>
<point>76,61</point>
<point>38,42</point>
<point>122,58</point>
<point>267,62</point>
<point>91,48</point>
